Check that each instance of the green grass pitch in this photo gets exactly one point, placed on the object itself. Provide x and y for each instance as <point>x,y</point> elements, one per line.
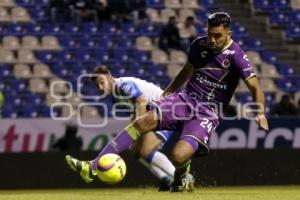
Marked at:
<point>212,193</point>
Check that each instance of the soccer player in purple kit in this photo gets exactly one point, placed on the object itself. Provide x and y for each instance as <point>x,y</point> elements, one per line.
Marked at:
<point>214,67</point>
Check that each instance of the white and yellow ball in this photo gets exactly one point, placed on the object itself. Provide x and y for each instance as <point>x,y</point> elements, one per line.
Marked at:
<point>111,168</point>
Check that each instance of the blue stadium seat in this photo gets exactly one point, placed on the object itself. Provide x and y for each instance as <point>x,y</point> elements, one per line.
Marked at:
<point>269,57</point>
<point>82,55</point>
<point>287,85</point>
<point>45,111</point>
<point>110,29</point>
<point>253,44</point>
<point>6,72</point>
<point>298,84</point>
<point>126,43</point>
<point>20,86</point>
<point>42,2</point>
<point>46,56</point>
<point>148,29</point>
<point>28,111</point>
<point>14,100</point>
<point>294,16</point>
<point>92,29</point>
<point>244,97</point>
<point>210,4</point>
<point>9,112</point>
<point>281,4</point>
<point>141,57</point>
<point>39,14</point>
<point>103,56</point>
<point>25,3</point>
<point>269,98</point>
<point>88,42</point>
<point>157,4</point>
<point>5,87</point>
<point>60,70</point>
<point>130,29</point>
<point>16,29</point>
<point>201,30</point>
<point>54,29</point>
<point>286,70</point>
<point>67,55</point>
<point>3,30</point>
<point>72,29</point>
<point>265,5</point>
<point>202,15</point>
<point>79,70</point>
<point>107,43</point>
<point>122,56</point>
<point>34,99</point>
<point>293,32</point>
<point>68,42</point>
<point>239,30</point>
<point>35,29</point>
<point>279,18</point>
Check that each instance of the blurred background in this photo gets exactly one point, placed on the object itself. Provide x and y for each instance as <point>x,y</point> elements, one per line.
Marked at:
<point>45,45</point>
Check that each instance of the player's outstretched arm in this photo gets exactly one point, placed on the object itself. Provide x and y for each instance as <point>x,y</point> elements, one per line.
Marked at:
<point>141,102</point>
<point>182,76</point>
<point>254,87</point>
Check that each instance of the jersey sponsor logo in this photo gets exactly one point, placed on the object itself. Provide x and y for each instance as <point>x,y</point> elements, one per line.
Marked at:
<point>226,63</point>
<point>204,80</point>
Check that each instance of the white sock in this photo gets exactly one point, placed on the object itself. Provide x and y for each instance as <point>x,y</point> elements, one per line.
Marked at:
<point>156,171</point>
<point>161,160</point>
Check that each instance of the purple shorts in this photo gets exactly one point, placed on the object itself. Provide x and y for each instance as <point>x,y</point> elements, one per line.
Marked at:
<point>178,112</point>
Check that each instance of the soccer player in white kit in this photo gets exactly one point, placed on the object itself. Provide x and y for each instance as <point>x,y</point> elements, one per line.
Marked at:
<point>137,93</point>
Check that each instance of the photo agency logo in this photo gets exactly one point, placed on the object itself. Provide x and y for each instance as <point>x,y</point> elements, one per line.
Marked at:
<point>83,100</point>
<point>79,100</point>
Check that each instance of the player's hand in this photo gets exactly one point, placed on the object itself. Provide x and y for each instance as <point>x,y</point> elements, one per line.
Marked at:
<point>262,121</point>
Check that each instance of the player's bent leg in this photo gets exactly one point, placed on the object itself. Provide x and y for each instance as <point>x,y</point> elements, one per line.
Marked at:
<point>131,133</point>
<point>84,168</point>
<point>181,156</point>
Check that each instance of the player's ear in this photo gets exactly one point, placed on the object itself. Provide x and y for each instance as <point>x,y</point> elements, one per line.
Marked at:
<point>229,33</point>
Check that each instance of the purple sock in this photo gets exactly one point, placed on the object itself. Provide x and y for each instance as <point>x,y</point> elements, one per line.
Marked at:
<point>120,143</point>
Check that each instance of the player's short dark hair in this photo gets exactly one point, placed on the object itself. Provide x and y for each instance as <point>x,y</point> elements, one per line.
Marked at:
<point>101,69</point>
<point>218,19</point>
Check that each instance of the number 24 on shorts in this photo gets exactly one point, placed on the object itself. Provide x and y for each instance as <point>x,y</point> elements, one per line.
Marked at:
<point>207,125</point>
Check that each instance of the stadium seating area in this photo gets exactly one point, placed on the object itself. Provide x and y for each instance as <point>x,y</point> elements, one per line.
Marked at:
<point>283,13</point>
<point>35,53</point>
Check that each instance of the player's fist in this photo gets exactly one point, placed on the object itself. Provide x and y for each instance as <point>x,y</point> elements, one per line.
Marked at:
<point>262,121</point>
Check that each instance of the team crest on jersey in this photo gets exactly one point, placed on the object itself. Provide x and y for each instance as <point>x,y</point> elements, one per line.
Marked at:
<point>225,63</point>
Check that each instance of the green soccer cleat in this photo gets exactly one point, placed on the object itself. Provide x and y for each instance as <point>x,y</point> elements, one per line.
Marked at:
<point>84,168</point>
<point>186,184</point>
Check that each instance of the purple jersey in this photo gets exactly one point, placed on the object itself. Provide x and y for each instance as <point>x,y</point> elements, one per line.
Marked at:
<point>216,75</point>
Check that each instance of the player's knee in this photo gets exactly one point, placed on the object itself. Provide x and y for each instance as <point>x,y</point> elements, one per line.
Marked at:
<point>179,157</point>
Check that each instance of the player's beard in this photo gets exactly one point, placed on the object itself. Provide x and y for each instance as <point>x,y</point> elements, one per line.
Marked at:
<point>218,49</point>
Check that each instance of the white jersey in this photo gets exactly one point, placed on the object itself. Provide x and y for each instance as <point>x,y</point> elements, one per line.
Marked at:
<point>132,88</point>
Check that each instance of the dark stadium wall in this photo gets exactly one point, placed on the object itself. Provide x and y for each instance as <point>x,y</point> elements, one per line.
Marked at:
<point>220,168</point>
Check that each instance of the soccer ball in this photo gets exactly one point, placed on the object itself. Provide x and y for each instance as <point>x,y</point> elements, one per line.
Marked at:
<point>111,168</point>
